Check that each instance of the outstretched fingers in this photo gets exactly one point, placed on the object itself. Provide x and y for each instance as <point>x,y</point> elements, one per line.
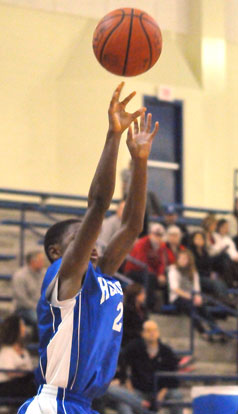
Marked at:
<point>138,113</point>
<point>142,122</point>
<point>129,134</point>
<point>136,127</point>
<point>116,94</point>
<point>128,98</point>
<point>148,123</point>
<point>155,131</point>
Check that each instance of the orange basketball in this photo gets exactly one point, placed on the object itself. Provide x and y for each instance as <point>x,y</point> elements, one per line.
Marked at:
<point>127,42</point>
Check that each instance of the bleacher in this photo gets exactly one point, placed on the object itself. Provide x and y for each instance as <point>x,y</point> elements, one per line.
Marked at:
<point>24,218</point>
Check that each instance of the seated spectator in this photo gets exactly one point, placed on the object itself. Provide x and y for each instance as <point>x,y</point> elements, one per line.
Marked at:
<point>144,357</point>
<point>233,223</point>
<point>183,280</point>
<point>209,225</point>
<point>109,227</point>
<point>26,284</point>
<point>149,251</point>
<point>224,253</point>
<point>13,355</point>
<point>120,399</point>
<point>171,219</point>
<point>223,242</point>
<point>173,244</point>
<point>204,266</point>
<point>135,313</point>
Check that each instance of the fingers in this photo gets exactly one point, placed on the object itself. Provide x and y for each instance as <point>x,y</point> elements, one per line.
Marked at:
<point>138,113</point>
<point>129,134</point>
<point>116,94</point>
<point>128,98</point>
<point>155,130</point>
<point>136,127</point>
<point>142,122</point>
<point>148,122</point>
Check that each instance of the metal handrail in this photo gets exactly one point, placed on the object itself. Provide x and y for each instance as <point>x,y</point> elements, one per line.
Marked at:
<point>46,195</point>
<point>197,377</point>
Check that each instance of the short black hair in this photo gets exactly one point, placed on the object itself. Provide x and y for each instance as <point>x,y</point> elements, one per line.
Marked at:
<point>10,330</point>
<point>55,234</point>
<point>220,223</point>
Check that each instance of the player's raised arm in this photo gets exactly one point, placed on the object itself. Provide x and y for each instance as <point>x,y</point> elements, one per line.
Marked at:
<point>78,252</point>
<point>139,143</point>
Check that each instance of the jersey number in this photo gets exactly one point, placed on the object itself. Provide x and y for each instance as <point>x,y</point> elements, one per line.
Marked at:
<point>117,325</point>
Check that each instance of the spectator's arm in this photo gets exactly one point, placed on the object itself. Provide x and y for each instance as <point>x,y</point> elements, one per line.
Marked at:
<point>162,394</point>
<point>169,364</point>
<point>162,265</point>
<point>183,294</point>
<point>232,251</point>
<point>196,283</point>
<point>129,385</point>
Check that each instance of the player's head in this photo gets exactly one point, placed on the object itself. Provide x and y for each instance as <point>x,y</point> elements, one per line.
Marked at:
<point>58,237</point>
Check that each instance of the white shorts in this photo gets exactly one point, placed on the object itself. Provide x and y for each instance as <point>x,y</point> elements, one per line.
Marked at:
<point>54,400</point>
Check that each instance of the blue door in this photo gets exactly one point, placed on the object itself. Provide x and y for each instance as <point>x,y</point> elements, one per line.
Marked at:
<point>165,162</point>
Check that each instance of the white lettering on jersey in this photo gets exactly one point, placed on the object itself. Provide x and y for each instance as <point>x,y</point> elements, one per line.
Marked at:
<point>109,289</point>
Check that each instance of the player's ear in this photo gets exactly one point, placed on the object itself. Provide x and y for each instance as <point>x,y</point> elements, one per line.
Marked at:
<point>54,251</point>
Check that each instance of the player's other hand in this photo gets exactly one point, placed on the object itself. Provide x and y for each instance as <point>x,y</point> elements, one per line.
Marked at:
<point>119,119</point>
<point>140,140</point>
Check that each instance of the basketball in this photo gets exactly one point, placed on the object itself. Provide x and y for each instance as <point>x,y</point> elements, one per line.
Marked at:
<point>127,42</point>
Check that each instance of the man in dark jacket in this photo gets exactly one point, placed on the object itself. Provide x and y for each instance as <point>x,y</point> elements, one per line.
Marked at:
<point>144,357</point>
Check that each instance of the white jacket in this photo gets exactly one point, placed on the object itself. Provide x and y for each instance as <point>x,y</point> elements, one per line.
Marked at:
<point>223,243</point>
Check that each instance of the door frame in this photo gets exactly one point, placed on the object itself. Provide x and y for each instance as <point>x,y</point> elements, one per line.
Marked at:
<point>179,166</point>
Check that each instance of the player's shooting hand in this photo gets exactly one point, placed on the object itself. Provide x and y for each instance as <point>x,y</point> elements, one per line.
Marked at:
<point>140,141</point>
<point>119,119</point>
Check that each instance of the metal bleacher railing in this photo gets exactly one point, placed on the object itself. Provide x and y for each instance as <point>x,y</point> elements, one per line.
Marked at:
<point>192,378</point>
<point>43,205</point>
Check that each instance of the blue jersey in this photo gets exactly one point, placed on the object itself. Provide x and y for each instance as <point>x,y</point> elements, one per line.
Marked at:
<point>80,338</point>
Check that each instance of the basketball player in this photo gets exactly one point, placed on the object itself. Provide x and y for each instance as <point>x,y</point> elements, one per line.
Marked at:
<point>80,311</point>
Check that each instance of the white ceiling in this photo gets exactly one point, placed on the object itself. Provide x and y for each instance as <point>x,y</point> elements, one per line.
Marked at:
<point>172,15</point>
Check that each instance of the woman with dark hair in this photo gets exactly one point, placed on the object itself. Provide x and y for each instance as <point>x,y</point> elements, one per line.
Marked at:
<point>135,313</point>
<point>183,281</point>
<point>14,356</point>
<point>204,265</point>
<point>209,225</point>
